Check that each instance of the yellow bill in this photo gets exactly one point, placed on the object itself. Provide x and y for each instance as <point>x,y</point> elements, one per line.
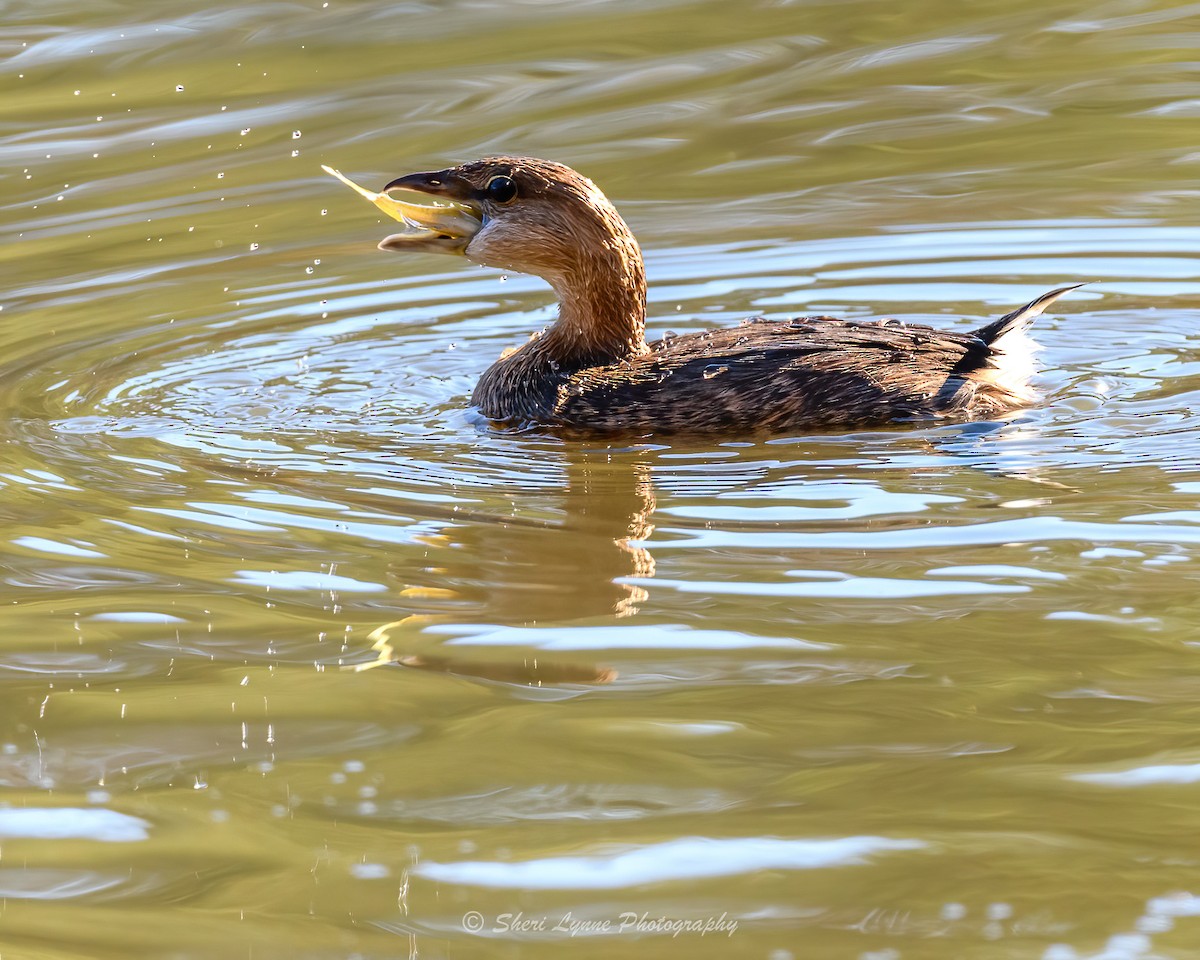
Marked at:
<point>448,225</point>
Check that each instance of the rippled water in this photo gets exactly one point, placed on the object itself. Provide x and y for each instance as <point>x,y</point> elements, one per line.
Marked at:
<point>299,659</point>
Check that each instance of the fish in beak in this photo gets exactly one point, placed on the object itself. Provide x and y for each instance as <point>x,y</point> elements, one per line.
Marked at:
<point>445,226</point>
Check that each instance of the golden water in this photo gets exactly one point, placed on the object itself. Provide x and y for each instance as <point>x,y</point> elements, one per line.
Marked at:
<point>923,693</point>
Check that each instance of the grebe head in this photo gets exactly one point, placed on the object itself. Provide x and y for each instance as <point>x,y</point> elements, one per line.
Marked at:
<point>526,215</point>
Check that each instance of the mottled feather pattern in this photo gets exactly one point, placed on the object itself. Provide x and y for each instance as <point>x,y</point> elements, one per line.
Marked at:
<point>806,373</point>
<point>810,372</point>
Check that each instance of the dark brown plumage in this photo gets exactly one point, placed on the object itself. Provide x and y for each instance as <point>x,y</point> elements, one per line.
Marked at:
<point>593,371</point>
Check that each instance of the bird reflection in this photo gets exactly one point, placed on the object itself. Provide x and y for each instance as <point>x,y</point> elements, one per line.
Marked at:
<point>565,566</point>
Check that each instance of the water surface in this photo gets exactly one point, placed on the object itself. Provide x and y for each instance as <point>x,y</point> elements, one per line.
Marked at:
<point>298,659</point>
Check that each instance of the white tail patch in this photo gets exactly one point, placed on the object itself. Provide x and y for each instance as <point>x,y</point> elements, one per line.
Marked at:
<point>1004,380</point>
<point>1011,366</point>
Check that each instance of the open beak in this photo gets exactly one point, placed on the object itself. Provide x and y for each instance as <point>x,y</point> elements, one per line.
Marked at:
<point>446,226</point>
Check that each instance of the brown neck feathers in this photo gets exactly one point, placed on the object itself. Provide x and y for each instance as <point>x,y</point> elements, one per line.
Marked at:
<point>602,299</point>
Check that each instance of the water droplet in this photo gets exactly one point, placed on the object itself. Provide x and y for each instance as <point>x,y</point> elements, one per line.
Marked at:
<point>317,261</point>
<point>179,88</point>
<point>295,153</point>
<point>714,370</point>
<point>295,134</point>
<point>254,246</point>
<point>76,93</point>
<point>220,176</point>
<point>503,277</point>
<point>245,130</point>
<point>324,213</point>
<point>308,269</point>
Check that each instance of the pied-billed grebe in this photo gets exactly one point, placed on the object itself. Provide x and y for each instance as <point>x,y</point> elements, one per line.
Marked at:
<point>592,369</point>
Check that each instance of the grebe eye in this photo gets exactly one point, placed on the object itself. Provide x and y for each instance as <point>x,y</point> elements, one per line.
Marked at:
<point>501,189</point>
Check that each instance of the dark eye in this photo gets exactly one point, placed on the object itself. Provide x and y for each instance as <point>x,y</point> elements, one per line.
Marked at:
<point>501,189</point>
